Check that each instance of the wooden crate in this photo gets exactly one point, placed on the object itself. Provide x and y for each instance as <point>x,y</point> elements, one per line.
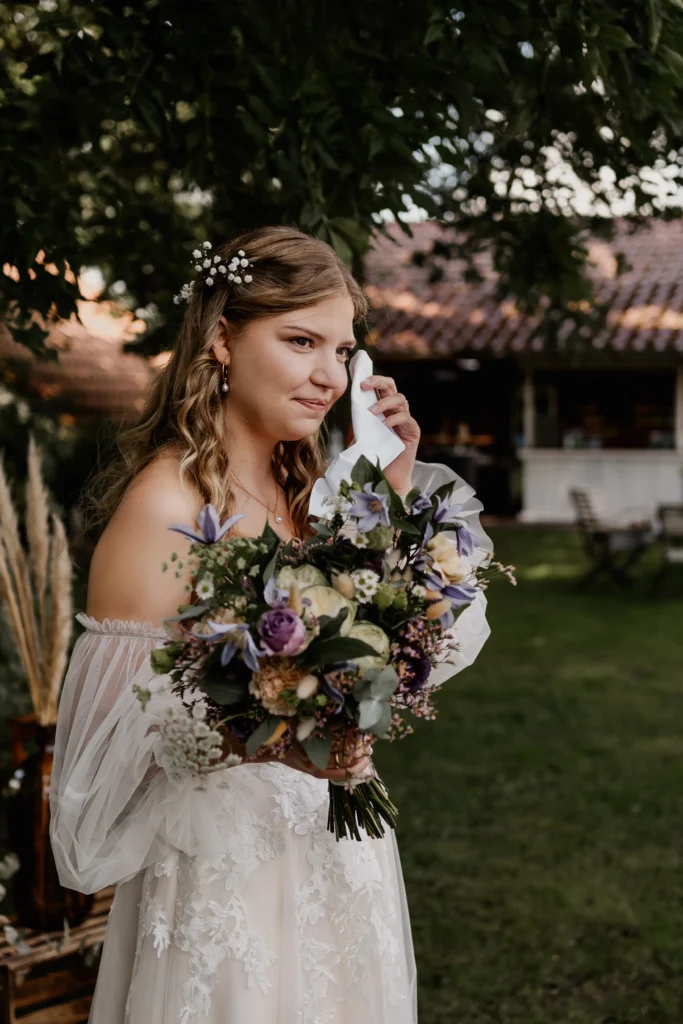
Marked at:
<point>46,986</point>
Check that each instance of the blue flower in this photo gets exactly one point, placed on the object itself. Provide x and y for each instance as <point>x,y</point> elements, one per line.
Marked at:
<point>421,503</point>
<point>273,595</point>
<point>446,513</point>
<point>370,508</point>
<point>243,641</point>
<point>210,529</point>
<point>459,594</point>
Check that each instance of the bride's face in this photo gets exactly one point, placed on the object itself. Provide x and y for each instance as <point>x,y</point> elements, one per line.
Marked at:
<point>285,372</point>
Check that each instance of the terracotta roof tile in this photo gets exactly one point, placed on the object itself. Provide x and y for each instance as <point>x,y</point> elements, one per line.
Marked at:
<point>413,317</point>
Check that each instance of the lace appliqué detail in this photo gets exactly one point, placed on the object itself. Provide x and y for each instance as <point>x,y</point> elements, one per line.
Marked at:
<point>347,920</point>
<point>206,929</point>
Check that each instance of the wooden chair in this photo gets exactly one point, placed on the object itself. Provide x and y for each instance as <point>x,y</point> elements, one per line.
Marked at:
<point>612,547</point>
<point>52,981</point>
<point>670,540</point>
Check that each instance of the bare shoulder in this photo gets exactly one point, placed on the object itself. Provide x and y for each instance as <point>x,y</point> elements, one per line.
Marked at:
<point>126,580</point>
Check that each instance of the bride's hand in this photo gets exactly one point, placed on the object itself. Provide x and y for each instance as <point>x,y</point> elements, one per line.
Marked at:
<point>296,757</point>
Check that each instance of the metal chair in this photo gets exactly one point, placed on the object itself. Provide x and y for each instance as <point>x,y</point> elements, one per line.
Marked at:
<point>612,547</point>
<point>670,540</point>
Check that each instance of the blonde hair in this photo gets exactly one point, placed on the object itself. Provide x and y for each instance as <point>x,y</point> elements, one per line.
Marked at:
<point>183,409</point>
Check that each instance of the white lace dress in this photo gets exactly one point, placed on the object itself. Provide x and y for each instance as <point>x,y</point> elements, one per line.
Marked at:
<point>233,905</point>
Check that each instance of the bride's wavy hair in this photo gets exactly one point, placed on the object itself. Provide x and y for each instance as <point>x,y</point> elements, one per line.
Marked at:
<point>183,409</point>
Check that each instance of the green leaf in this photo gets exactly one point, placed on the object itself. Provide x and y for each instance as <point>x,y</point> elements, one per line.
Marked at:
<point>193,612</point>
<point>262,733</point>
<point>322,530</point>
<point>363,472</point>
<point>616,38</point>
<point>674,61</point>
<point>329,625</point>
<point>405,526</point>
<point>270,567</point>
<point>338,648</point>
<point>655,24</point>
<point>226,692</point>
<point>318,749</point>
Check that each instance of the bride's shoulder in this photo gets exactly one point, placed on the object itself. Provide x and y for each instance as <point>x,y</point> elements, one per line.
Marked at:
<point>125,578</point>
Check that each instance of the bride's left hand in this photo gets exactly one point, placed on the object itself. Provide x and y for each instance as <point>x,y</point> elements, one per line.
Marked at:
<point>395,407</point>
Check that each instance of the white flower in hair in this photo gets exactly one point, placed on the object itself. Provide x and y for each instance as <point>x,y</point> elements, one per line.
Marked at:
<point>209,267</point>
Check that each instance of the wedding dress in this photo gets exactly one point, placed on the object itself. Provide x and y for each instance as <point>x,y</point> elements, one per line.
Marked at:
<point>233,904</point>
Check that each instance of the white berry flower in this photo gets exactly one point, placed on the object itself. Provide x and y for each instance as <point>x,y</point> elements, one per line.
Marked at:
<point>245,263</point>
<point>231,277</point>
<point>197,254</point>
<point>209,280</point>
<point>206,245</point>
<point>198,267</point>
<point>248,278</point>
<point>206,264</point>
<point>238,279</point>
<point>223,269</point>
<point>216,259</point>
<point>240,252</point>
<point>213,270</point>
<point>365,582</point>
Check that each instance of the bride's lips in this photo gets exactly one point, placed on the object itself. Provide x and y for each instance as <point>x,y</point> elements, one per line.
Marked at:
<point>317,404</point>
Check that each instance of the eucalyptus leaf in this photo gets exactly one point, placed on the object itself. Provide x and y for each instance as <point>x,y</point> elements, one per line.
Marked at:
<point>370,712</point>
<point>318,749</point>
<point>262,733</point>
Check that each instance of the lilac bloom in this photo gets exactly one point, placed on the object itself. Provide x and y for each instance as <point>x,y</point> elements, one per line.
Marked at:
<point>459,594</point>
<point>370,508</point>
<point>210,529</point>
<point>421,503</point>
<point>275,596</point>
<point>251,652</point>
<point>446,513</point>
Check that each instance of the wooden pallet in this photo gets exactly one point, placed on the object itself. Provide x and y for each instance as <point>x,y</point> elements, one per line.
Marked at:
<point>49,986</point>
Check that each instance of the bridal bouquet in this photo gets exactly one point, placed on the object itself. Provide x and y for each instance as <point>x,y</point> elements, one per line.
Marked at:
<point>328,641</point>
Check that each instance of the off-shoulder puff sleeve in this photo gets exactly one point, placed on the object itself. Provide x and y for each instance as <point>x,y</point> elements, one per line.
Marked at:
<point>103,773</point>
<point>471,628</point>
<point>113,810</point>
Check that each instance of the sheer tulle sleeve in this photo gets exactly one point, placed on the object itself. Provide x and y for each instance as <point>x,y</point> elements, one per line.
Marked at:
<point>471,629</point>
<point>113,810</point>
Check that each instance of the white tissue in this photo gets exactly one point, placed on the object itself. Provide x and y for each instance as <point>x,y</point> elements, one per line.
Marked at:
<point>372,438</point>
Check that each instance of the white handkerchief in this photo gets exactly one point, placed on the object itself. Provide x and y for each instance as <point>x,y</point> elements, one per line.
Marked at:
<point>372,438</point>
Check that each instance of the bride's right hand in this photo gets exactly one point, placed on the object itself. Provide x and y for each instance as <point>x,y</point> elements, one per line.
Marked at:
<point>296,757</point>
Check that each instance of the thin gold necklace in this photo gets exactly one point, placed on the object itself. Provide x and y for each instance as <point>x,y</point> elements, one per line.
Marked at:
<point>278,519</point>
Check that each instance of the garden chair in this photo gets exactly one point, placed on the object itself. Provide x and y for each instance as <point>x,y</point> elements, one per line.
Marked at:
<point>670,540</point>
<point>613,547</point>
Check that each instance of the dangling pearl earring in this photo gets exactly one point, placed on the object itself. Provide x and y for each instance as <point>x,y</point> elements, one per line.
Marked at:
<point>225,386</point>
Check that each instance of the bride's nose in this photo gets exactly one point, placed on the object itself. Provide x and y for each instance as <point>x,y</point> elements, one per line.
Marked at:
<point>328,372</point>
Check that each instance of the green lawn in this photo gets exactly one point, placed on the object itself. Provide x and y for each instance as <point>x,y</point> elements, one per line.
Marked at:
<point>541,828</point>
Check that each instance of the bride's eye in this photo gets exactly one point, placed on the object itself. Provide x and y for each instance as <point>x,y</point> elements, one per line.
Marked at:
<point>302,338</point>
<point>346,351</point>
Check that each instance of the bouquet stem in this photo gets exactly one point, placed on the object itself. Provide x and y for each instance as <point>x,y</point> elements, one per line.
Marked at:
<point>365,805</point>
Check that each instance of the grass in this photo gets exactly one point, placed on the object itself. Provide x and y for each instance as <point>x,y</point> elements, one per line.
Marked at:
<point>541,814</point>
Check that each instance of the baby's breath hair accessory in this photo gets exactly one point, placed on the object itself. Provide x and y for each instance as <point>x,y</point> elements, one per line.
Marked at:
<point>215,268</point>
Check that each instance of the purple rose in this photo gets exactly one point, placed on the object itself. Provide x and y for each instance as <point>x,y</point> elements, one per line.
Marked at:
<point>282,631</point>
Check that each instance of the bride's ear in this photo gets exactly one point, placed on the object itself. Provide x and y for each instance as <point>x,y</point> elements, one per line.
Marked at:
<point>222,342</point>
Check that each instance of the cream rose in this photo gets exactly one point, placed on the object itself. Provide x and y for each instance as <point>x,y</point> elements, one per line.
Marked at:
<point>447,559</point>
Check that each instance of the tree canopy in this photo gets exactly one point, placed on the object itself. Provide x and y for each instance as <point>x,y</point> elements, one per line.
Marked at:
<point>129,132</point>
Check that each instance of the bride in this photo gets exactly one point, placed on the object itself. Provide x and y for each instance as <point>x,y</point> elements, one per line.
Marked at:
<point>234,904</point>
